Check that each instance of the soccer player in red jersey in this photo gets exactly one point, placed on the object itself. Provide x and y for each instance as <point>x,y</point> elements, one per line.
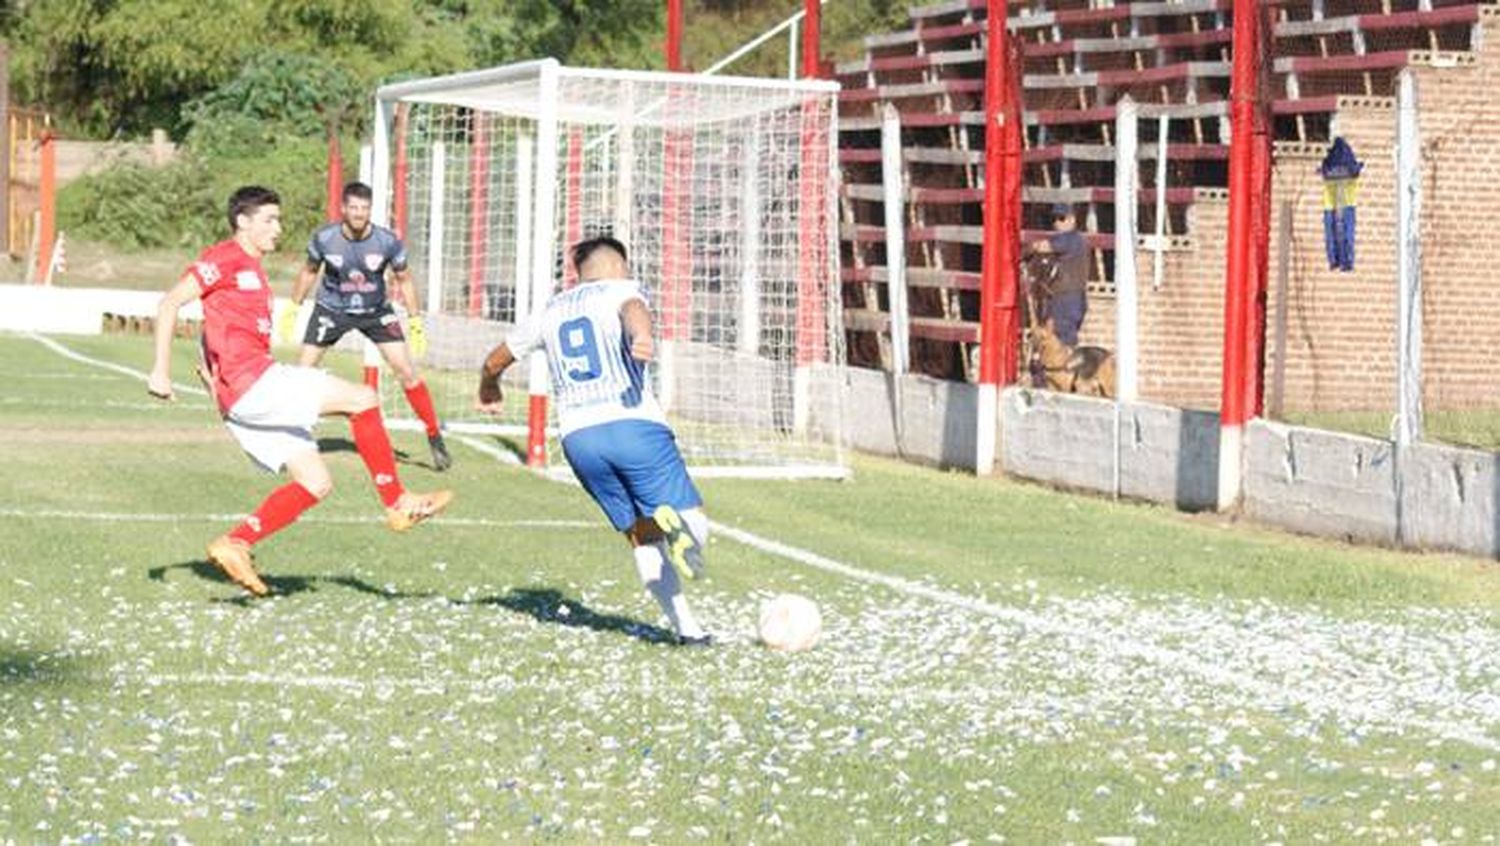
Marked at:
<point>271,408</point>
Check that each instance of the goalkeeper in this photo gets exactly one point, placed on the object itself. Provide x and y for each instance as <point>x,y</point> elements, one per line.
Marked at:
<point>355,256</point>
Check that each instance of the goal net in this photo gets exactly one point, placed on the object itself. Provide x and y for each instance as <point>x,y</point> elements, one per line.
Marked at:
<point>721,188</point>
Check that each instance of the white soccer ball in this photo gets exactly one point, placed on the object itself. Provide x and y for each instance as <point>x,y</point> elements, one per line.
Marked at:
<point>790,623</point>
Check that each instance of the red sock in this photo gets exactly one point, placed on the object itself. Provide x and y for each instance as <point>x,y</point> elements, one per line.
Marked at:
<point>374,447</point>
<point>421,403</point>
<point>280,509</point>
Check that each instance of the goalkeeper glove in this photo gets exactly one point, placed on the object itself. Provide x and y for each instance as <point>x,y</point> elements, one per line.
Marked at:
<point>286,323</point>
<point>418,336</point>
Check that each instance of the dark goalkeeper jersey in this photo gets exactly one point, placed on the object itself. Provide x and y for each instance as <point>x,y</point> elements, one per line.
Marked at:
<point>354,271</point>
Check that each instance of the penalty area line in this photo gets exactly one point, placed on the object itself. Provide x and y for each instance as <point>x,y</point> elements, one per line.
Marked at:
<point>79,357</point>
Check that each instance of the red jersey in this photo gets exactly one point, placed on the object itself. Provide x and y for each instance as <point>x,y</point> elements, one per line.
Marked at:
<point>236,318</point>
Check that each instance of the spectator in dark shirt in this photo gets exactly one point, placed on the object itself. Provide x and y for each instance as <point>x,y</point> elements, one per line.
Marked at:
<point>1066,300</point>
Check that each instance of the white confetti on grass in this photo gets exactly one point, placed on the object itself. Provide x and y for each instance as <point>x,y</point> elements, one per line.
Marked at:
<point>422,715</point>
<point>893,684</point>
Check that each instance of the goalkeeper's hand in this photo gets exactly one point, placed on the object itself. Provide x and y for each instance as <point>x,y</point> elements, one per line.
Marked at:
<point>286,323</point>
<point>416,332</point>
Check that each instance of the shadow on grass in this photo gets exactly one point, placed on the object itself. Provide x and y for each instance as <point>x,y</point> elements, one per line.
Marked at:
<point>19,665</point>
<point>514,447</point>
<point>337,444</point>
<point>281,585</point>
<point>551,606</point>
<point>548,605</point>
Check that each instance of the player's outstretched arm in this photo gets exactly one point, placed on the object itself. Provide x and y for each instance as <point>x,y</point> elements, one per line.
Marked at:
<point>637,319</point>
<point>159,383</point>
<point>491,398</point>
<point>304,282</point>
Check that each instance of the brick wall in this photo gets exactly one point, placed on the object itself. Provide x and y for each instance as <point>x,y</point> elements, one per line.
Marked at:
<point>1340,338</point>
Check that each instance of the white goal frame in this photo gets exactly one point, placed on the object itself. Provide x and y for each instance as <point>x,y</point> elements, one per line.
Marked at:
<point>812,431</point>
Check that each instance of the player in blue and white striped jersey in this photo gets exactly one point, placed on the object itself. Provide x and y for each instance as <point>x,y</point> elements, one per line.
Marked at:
<point>597,339</point>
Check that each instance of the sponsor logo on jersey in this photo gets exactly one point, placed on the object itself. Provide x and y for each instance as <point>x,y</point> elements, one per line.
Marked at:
<point>373,261</point>
<point>247,280</point>
<point>336,260</point>
<point>208,272</point>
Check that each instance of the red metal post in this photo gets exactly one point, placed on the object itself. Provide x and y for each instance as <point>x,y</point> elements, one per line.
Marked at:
<point>677,234</point>
<point>1239,281</point>
<point>1249,207</point>
<point>676,208</point>
<point>674,35</point>
<point>335,202</point>
<point>48,233</point>
<point>999,317</point>
<point>573,210</point>
<point>812,38</point>
<point>812,236</point>
<point>536,431</point>
<point>479,210</point>
<point>399,189</point>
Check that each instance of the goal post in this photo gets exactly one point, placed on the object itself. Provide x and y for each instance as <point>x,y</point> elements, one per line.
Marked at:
<point>722,189</point>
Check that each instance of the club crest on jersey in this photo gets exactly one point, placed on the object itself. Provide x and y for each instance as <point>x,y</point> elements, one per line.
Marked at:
<point>373,261</point>
<point>247,280</point>
<point>336,260</point>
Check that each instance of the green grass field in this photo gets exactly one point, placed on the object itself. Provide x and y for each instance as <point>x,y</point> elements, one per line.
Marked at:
<point>1000,662</point>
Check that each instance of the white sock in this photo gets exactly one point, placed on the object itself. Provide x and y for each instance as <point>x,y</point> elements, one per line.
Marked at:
<point>697,523</point>
<point>663,584</point>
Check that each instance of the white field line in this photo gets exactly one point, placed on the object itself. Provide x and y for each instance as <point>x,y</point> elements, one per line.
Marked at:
<point>491,450</point>
<point>107,365</point>
<point>143,405</point>
<point>64,376</point>
<point>1262,694</point>
<point>473,443</point>
<point>130,517</point>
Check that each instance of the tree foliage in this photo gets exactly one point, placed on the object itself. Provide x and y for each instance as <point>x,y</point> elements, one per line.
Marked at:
<point>276,96</point>
<point>121,67</point>
<point>137,206</point>
<point>252,85</point>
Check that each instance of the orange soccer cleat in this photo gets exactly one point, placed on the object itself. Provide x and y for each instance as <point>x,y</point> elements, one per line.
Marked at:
<point>232,557</point>
<point>413,508</point>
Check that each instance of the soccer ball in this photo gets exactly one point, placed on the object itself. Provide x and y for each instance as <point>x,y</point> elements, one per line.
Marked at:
<point>790,623</point>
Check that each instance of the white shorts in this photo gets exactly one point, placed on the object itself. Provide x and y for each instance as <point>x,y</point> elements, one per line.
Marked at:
<point>274,420</point>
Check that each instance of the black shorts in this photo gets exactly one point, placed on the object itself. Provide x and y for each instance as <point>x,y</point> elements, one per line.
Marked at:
<point>326,326</point>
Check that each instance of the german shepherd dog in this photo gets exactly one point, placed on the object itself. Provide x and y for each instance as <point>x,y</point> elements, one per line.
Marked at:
<point>1056,366</point>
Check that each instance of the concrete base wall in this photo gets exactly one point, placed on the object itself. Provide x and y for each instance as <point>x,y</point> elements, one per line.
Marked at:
<point>1168,455</point>
<point>1450,499</point>
<point>75,311</point>
<point>1332,484</point>
<point>1323,483</point>
<point>917,418</point>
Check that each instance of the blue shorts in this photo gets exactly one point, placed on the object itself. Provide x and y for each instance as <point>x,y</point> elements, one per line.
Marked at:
<point>630,467</point>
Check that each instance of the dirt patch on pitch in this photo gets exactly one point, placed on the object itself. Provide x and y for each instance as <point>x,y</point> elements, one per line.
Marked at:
<point>111,437</point>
